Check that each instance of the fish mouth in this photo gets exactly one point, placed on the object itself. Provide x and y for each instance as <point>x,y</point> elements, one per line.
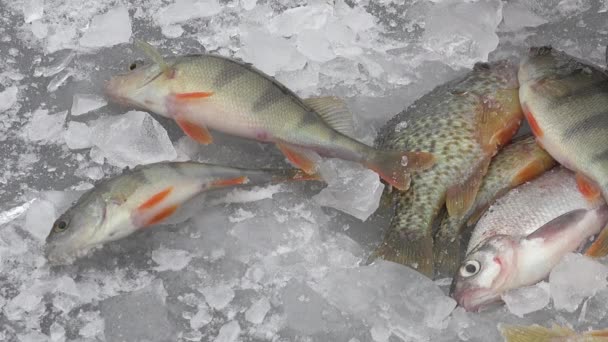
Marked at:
<point>113,90</point>
<point>475,300</point>
<point>63,254</point>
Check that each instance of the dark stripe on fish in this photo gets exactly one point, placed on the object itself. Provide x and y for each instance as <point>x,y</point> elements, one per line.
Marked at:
<point>228,74</point>
<point>601,156</point>
<point>270,96</point>
<point>593,88</point>
<point>593,122</point>
<point>308,119</point>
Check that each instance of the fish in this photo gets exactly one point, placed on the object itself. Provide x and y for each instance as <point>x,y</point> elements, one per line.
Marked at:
<point>523,235</point>
<point>206,91</point>
<point>462,123</point>
<point>537,333</point>
<point>143,197</point>
<point>565,101</point>
<point>517,163</point>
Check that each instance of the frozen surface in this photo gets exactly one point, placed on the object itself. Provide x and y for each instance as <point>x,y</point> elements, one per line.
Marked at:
<point>268,263</point>
<point>527,299</point>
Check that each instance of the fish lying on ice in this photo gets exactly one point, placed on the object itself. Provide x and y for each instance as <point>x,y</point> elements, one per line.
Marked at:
<point>143,197</point>
<point>524,235</point>
<point>537,333</point>
<point>202,92</point>
<point>517,163</point>
<point>462,123</point>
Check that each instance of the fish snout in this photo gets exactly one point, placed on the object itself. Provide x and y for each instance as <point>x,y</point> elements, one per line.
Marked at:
<point>475,299</point>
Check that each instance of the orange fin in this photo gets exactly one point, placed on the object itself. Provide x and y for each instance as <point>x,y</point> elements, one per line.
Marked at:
<point>161,216</point>
<point>297,175</point>
<point>394,167</point>
<point>532,170</point>
<point>460,197</point>
<point>589,189</point>
<point>193,96</point>
<point>599,247</point>
<point>534,126</point>
<point>195,131</point>
<point>499,118</point>
<point>299,158</point>
<point>220,183</point>
<point>155,199</point>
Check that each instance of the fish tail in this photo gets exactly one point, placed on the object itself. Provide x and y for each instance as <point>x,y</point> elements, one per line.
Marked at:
<point>537,333</point>
<point>417,253</point>
<point>395,167</point>
<point>446,253</point>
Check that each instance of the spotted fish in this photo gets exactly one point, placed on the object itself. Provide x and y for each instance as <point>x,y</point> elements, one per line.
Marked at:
<point>202,92</point>
<point>462,123</point>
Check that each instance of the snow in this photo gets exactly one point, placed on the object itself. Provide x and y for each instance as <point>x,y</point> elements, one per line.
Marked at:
<point>351,188</point>
<point>527,299</point>
<point>108,29</point>
<point>590,276</point>
<point>84,103</point>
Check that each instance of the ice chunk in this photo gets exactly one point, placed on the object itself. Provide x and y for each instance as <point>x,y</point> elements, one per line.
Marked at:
<point>45,127</point>
<point>39,218</point>
<point>590,277</point>
<point>184,10</point>
<point>108,29</point>
<point>170,259</point>
<point>516,16</point>
<point>257,311</point>
<point>139,315</point>
<point>39,29</point>
<point>314,45</point>
<point>57,332</point>
<point>295,20</point>
<point>33,10</point>
<point>172,31</point>
<point>351,188</point>
<point>84,103</point>
<point>201,318</point>
<point>94,328</point>
<point>58,80</point>
<point>527,299</point>
<point>229,332</point>
<point>248,5</point>
<point>8,98</point>
<point>304,308</point>
<point>269,53</point>
<point>132,139</point>
<point>60,37</point>
<point>218,297</point>
<point>78,135</point>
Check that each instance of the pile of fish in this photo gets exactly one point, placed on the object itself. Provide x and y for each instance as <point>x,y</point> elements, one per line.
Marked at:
<point>450,159</point>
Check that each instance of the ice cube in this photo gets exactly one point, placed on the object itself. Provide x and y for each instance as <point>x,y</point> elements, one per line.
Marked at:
<point>39,29</point>
<point>269,53</point>
<point>139,315</point>
<point>172,31</point>
<point>248,5</point>
<point>575,278</point>
<point>258,310</point>
<point>517,16</point>
<point>45,127</point>
<point>78,135</point>
<point>201,318</point>
<point>33,10</point>
<point>94,328</point>
<point>229,332</point>
<point>84,103</point>
<point>314,45</point>
<point>8,98</point>
<point>294,20</point>
<point>184,10</point>
<point>39,218</point>
<point>170,259</point>
<point>132,139</point>
<point>108,29</point>
<point>218,297</point>
<point>351,188</point>
<point>57,332</point>
<point>527,299</point>
<point>60,37</point>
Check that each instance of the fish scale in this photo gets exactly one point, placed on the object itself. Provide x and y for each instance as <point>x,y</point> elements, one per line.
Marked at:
<point>449,123</point>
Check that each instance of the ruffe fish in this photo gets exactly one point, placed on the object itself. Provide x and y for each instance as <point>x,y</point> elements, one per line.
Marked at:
<point>462,123</point>
<point>202,92</point>
<point>143,197</point>
<point>537,333</point>
<point>565,102</point>
<point>524,235</point>
<point>517,163</point>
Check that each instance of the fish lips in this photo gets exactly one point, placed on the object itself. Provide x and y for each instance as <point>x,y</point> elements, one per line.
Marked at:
<point>475,299</point>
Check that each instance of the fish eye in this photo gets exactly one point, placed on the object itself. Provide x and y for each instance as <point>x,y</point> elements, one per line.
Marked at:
<point>470,268</point>
<point>135,65</point>
<point>60,225</point>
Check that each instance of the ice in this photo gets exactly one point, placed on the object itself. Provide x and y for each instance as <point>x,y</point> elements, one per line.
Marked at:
<point>84,103</point>
<point>78,135</point>
<point>39,218</point>
<point>57,81</point>
<point>8,98</point>
<point>39,29</point>
<point>57,333</point>
<point>184,10</point>
<point>132,139</point>
<point>297,19</point>
<point>589,275</point>
<point>45,127</point>
<point>201,318</point>
<point>248,4</point>
<point>351,188</point>
<point>282,56</point>
<point>170,259</point>
<point>257,311</point>
<point>229,332</point>
<point>517,16</point>
<point>108,29</point>
<point>314,45</point>
<point>33,10</point>
<point>527,299</point>
<point>218,297</point>
<point>139,315</point>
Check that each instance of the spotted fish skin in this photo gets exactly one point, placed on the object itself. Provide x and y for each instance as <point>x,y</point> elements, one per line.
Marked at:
<point>202,92</point>
<point>517,163</point>
<point>143,197</point>
<point>462,123</point>
<point>565,100</point>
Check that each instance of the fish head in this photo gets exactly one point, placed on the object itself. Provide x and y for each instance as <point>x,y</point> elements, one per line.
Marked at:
<point>75,230</point>
<point>501,74</point>
<point>485,273</point>
<point>544,62</point>
<point>144,86</point>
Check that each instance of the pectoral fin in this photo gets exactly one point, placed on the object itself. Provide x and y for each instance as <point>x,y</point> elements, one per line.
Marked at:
<point>195,131</point>
<point>301,158</point>
<point>555,227</point>
<point>599,247</point>
<point>461,196</point>
<point>589,189</point>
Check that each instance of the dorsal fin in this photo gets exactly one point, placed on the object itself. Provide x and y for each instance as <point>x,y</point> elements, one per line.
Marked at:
<point>153,53</point>
<point>334,112</point>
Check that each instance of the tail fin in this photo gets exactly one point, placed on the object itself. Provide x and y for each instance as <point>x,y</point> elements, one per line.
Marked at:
<point>537,333</point>
<point>395,167</point>
<point>417,254</point>
<point>295,175</point>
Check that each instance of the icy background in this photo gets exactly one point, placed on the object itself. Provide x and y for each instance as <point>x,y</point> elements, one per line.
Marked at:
<point>277,263</point>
